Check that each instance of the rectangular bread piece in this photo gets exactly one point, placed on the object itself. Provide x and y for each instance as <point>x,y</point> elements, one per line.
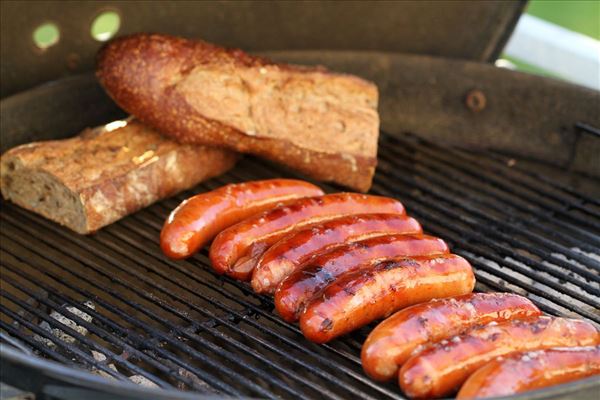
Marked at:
<point>321,123</point>
<point>104,174</point>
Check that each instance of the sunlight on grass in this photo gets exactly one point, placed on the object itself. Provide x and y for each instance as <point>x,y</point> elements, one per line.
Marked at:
<point>577,15</point>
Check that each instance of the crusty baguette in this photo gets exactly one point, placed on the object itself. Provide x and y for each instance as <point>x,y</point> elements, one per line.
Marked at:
<point>102,175</point>
<point>323,124</point>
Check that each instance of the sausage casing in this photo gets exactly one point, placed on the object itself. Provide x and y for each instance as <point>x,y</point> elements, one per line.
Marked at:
<point>440,369</point>
<point>391,343</point>
<point>522,372</point>
<point>300,287</point>
<point>362,296</point>
<point>236,250</point>
<point>198,219</point>
<point>284,256</point>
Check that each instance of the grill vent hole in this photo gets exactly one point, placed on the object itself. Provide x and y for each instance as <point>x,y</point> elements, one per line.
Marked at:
<point>105,26</point>
<point>46,35</point>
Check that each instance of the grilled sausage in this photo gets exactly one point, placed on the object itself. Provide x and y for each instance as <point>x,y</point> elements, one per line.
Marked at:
<point>391,343</point>
<point>440,369</point>
<point>362,296</point>
<point>198,219</point>
<point>301,286</point>
<point>236,250</point>
<point>522,372</point>
<point>294,249</point>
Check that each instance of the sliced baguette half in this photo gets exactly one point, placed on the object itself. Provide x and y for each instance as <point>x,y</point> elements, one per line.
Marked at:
<point>104,174</point>
<point>321,123</point>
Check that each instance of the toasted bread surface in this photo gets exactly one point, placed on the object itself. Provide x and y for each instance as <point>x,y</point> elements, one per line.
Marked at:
<point>98,177</point>
<point>321,123</point>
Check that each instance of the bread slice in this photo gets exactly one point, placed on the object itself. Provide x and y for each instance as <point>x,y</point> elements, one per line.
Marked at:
<point>102,175</point>
<point>323,124</point>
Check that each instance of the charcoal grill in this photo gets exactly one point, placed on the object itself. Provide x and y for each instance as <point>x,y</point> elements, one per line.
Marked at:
<point>521,205</point>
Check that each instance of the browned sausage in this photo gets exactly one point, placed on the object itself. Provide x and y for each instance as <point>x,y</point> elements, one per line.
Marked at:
<point>522,372</point>
<point>362,296</point>
<point>198,219</point>
<point>236,250</point>
<point>440,369</point>
<point>301,286</point>
<point>391,343</point>
<point>297,247</point>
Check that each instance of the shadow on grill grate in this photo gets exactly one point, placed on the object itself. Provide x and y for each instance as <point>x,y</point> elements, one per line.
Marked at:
<point>111,303</point>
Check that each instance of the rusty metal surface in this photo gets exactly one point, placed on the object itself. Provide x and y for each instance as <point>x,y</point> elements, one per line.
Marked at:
<point>455,29</point>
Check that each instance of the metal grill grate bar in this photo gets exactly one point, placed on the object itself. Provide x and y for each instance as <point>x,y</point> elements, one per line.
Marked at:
<point>160,336</point>
<point>126,333</point>
<point>80,354</point>
<point>538,243</point>
<point>44,350</point>
<point>201,260</point>
<point>490,231</point>
<point>76,335</point>
<point>156,317</point>
<point>494,195</point>
<point>128,348</point>
<point>535,188</point>
<point>266,302</point>
<point>105,253</point>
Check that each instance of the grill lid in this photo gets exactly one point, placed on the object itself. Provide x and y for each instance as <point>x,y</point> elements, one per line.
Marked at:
<point>457,29</point>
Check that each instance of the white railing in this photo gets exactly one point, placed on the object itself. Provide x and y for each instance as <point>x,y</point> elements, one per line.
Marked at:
<point>570,55</point>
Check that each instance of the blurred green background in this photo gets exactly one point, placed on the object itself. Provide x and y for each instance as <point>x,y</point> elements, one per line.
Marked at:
<point>581,16</point>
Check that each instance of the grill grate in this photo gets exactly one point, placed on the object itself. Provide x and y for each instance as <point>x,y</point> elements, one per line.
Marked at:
<point>179,325</point>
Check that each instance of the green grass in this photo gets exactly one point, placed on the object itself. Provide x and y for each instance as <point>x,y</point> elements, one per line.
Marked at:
<point>525,67</point>
<point>581,16</point>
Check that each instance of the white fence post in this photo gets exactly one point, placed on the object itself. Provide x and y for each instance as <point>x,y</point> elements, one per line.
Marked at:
<point>571,55</point>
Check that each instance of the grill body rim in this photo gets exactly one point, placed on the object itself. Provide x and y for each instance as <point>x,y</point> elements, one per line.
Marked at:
<point>56,376</point>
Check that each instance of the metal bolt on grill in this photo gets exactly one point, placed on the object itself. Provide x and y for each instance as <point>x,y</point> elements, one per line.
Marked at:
<point>177,324</point>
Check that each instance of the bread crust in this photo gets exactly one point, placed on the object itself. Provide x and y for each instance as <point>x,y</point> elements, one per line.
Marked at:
<point>159,79</point>
<point>91,180</point>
